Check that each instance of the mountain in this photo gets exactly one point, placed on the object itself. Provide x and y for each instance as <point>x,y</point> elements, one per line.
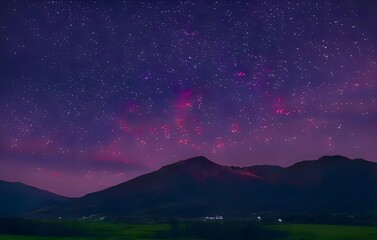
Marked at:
<point>17,199</point>
<point>329,184</point>
<point>198,187</point>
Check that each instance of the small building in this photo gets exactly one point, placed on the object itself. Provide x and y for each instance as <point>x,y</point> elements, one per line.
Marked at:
<point>217,217</point>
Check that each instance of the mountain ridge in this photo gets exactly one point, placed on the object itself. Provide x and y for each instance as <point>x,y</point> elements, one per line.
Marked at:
<point>18,199</point>
<point>197,186</point>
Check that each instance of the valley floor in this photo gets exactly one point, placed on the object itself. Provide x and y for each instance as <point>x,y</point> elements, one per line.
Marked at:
<point>14,229</point>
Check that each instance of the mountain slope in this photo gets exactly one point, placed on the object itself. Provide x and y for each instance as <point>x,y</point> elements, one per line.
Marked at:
<point>198,187</point>
<point>17,199</point>
<point>183,189</point>
<point>331,183</point>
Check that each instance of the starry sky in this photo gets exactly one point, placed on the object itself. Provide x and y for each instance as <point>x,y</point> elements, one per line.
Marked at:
<point>94,93</point>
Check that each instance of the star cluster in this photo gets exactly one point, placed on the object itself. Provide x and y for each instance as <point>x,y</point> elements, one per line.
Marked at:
<point>93,93</point>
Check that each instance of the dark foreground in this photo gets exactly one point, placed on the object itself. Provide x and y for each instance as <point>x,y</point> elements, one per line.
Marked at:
<point>81,229</point>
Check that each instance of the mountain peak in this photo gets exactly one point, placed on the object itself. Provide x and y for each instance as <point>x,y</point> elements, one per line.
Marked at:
<point>198,159</point>
<point>334,158</point>
<point>199,162</point>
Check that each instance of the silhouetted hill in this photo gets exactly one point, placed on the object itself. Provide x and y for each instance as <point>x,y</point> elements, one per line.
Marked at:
<point>198,187</point>
<point>17,199</point>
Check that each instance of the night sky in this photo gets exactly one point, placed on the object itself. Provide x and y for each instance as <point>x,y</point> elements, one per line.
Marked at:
<point>93,93</point>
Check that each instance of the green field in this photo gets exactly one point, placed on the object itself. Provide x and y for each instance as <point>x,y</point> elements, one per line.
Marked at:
<point>86,230</point>
<point>326,232</point>
<point>83,230</point>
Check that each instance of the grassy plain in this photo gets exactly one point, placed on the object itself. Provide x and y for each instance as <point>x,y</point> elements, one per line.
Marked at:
<point>104,230</point>
<point>325,232</point>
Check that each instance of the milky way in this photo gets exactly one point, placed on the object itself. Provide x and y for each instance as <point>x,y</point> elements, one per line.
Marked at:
<point>95,93</point>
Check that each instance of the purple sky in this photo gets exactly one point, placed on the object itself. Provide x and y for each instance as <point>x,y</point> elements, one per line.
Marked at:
<point>93,94</point>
